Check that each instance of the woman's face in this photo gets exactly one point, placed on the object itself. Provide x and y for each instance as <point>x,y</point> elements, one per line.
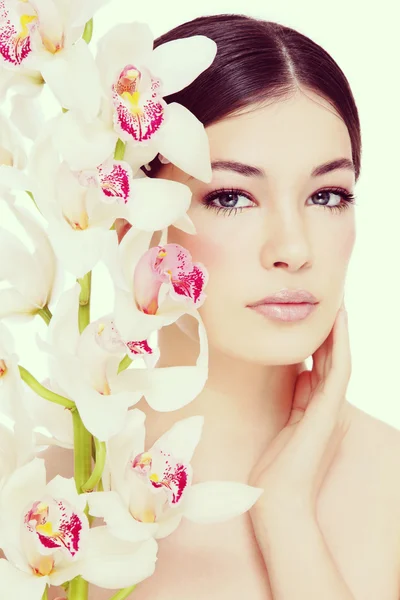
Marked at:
<point>275,230</point>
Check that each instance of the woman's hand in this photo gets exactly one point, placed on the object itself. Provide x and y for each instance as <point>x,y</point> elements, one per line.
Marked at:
<point>294,465</point>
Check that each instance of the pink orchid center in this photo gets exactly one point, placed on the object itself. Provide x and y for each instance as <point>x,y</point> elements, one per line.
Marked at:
<point>168,264</point>
<point>54,525</point>
<point>163,471</point>
<point>15,31</point>
<point>139,113</point>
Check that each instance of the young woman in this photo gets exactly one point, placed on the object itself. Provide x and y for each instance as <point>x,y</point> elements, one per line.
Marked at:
<point>285,145</point>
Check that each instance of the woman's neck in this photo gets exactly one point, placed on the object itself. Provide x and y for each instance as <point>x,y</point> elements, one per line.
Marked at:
<point>244,405</point>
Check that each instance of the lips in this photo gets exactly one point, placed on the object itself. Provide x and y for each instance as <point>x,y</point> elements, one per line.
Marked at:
<point>288,296</point>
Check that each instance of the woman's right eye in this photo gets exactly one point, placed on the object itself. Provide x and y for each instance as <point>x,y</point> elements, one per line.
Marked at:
<point>228,200</point>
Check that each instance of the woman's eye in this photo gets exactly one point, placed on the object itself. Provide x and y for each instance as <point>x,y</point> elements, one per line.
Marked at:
<point>233,200</point>
<point>324,197</point>
<point>228,200</point>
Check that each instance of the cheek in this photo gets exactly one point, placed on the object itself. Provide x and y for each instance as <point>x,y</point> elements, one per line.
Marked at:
<point>203,248</point>
<point>347,244</point>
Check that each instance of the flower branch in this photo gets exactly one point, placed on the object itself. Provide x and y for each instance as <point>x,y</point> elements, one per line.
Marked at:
<point>43,392</point>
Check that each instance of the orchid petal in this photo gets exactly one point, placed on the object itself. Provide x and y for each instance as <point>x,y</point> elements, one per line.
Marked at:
<point>179,62</point>
<point>183,140</point>
<point>82,12</point>
<point>13,178</point>
<point>112,563</point>
<point>168,526</point>
<point>129,440</point>
<point>110,507</point>
<point>27,114</point>
<point>219,501</point>
<point>186,224</point>
<point>122,44</point>
<point>77,251</point>
<point>19,583</point>
<point>157,203</point>
<point>14,304</point>
<point>65,488</point>
<point>182,438</point>
<point>24,484</point>
<point>83,145</point>
<point>102,415</point>
<point>63,329</point>
<point>74,79</point>
<point>171,388</point>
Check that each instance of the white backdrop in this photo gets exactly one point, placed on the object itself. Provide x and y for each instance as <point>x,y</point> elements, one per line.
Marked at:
<point>366,45</point>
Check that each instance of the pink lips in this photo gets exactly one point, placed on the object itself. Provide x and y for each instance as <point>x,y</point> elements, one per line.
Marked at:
<point>285,312</point>
<point>287,296</point>
<point>286,305</point>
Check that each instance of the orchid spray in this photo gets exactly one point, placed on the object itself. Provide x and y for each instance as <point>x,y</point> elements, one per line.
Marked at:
<point>81,170</point>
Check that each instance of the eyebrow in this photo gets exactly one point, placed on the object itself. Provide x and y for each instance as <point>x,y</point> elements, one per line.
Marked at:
<point>250,171</point>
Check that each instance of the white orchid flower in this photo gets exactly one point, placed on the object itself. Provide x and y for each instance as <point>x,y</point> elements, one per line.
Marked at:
<point>11,386</point>
<point>46,539</point>
<point>135,78</point>
<point>16,449</point>
<point>78,220</point>
<point>153,489</point>
<point>81,206</point>
<point>86,371</point>
<point>45,36</point>
<point>153,288</point>
<point>13,158</point>
<point>32,276</point>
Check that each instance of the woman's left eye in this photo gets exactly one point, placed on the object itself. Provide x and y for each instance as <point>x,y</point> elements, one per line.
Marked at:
<point>228,202</point>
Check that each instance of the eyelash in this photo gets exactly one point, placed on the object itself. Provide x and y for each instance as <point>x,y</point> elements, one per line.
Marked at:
<point>345,196</point>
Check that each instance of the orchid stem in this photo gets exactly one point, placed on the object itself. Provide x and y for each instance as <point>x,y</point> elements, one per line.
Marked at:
<point>119,151</point>
<point>99,467</point>
<point>45,595</point>
<point>43,392</point>
<point>78,589</point>
<point>45,313</point>
<point>88,31</point>
<point>82,453</point>
<point>123,594</point>
<point>124,364</point>
<point>84,301</point>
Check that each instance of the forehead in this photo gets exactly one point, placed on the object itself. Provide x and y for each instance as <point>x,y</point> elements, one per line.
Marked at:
<point>301,131</point>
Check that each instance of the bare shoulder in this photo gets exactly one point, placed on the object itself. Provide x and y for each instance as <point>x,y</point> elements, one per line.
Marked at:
<point>375,443</point>
<point>359,509</point>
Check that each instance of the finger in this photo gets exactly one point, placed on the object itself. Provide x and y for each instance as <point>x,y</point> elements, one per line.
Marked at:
<point>333,393</point>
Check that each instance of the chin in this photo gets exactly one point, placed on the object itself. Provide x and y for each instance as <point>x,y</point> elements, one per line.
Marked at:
<point>262,351</point>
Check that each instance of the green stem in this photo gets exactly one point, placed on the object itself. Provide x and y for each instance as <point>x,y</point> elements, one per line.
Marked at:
<point>82,452</point>
<point>99,467</point>
<point>124,364</point>
<point>78,589</point>
<point>45,313</point>
<point>43,392</point>
<point>84,301</point>
<point>123,594</point>
<point>45,595</point>
<point>119,151</point>
<point>88,31</point>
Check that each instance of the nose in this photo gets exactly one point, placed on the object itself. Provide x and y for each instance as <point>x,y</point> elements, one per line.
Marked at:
<point>286,241</point>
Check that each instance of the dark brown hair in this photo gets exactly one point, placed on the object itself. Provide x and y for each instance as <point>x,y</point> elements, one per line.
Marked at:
<point>260,61</point>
